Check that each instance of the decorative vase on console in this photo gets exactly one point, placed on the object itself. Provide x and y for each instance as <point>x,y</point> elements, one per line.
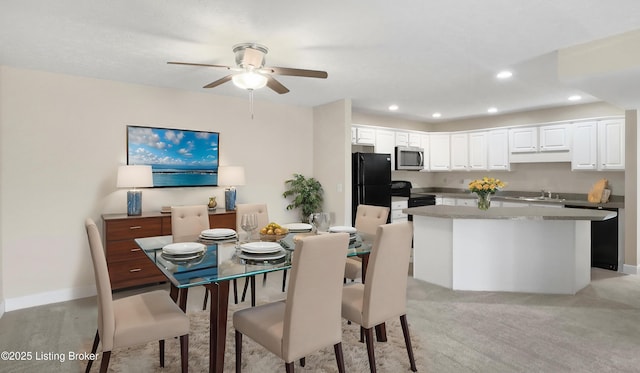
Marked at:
<point>484,188</point>
<point>212,203</point>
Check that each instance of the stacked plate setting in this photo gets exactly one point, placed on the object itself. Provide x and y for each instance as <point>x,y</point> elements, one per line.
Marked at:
<point>298,227</point>
<point>218,234</point>
<point>261,251</point>
<point>346,229</point>
<point>183,251</point>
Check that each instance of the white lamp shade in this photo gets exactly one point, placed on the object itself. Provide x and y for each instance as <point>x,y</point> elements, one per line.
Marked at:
<point>134,177</point>
<point>249,80</point>
<point>230,175</point>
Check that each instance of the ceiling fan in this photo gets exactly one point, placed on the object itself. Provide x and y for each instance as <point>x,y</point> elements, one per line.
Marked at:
<point>250,72</point>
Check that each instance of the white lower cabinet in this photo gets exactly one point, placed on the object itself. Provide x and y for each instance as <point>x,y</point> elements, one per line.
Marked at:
<point>396,210</point>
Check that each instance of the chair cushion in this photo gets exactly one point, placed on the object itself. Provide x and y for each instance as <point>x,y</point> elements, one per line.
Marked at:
<point>264,324</point>
<point>352,300</point>
<point>147,317</point>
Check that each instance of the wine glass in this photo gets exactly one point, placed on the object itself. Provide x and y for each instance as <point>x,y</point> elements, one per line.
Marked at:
<point>248,223</point>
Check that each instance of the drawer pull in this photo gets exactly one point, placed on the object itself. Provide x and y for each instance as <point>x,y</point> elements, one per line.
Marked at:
<point>134,250</point>
<point>135,270</point>
<point>135,227</point>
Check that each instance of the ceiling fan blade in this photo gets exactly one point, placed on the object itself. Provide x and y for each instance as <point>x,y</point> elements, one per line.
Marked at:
<point>198,64</point>
<point>218,82</point>
<point>276,85</point>
<point>297,72</point>
<point>252,57</point>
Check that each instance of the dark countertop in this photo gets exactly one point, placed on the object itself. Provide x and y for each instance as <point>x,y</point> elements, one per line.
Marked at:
<point>571,199</point>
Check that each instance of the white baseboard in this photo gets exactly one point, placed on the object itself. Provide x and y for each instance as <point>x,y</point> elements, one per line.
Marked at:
<point>63,295</point>
<point>630,270</point>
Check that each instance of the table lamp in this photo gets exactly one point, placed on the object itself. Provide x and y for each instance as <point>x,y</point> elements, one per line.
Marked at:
<point>230,177</point>
<point>134,177</point>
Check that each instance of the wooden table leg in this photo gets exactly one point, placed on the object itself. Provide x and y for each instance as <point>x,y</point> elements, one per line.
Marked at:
<point>219,308</point>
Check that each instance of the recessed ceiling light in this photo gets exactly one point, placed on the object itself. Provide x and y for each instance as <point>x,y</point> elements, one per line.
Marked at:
<point>575,98</point>
<point>393,107</point>
<point>492,110</point>
<point>504,74</point>
<point>436,115</point>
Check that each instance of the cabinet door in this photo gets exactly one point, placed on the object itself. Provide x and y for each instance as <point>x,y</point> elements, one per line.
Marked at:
<point>459,151</point>
<point>402,139</point>
<point>478,151</point>
<point>611,144</point>
<point>498,150</point>
<point>523,140</point>
<point>555,138</point>
<point>385,143</point>
<point>365,136</point>
<point>584,151</point>
<point>439,152</point>
<point>415,139</point>
<point>354,136</point>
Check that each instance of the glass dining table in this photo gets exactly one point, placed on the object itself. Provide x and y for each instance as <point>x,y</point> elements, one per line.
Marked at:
<point>221,262</point>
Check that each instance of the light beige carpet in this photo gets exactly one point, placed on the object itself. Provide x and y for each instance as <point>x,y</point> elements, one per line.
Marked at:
<point>391,356</point>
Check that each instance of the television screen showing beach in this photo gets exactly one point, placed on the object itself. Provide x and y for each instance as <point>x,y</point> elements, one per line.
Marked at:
<point>177,157</point>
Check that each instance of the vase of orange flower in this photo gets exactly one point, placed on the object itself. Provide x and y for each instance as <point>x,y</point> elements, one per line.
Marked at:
<point>484,188</point>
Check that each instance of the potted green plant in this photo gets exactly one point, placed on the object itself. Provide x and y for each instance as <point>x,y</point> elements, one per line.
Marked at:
<point>307,195</point>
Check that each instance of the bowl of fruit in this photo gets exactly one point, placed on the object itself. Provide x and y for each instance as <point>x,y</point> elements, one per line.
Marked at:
<point>273,232</point>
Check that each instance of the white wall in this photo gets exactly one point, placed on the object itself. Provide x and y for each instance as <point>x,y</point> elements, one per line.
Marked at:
<point>63,138</point>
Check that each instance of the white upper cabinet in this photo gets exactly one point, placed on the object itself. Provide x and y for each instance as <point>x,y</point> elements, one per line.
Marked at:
<point>555,137</point>
<point>598,145</point>
<point>439,151</point>
<point>584,154</point>
<point>385,142</point>
<point>498,150</point>
<point>363,136</point>
<point>459,151</point>
<point>402,139</point>
<point>478,152</point>
<point>523,140</point>
<point>415,139</point>
<point>611,144</point>
<point>424,144</point>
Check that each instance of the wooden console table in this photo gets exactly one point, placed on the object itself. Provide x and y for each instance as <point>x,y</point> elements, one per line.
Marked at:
<point>128,266</point>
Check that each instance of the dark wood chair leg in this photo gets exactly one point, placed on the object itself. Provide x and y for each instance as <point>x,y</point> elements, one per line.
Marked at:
<point>104,365</point>
<point>94,348</point>
<point>238,352</point>
<point>368,336</point>
<point>264,279</point>
<point>337,348</point>
<point>161,345</point>
<point>184,353</point>
<point>303,361</point>
<point>288,367</point>
<point>206,298</point>
<point>407,342</point>
<point>361,335</point>
<point>253,291</point>
<point>284,280</point>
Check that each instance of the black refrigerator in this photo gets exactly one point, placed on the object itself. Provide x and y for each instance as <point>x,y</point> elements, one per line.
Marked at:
<point>371,180</point>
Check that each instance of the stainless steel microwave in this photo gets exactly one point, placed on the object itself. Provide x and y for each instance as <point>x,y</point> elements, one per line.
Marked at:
<point>409,158</point>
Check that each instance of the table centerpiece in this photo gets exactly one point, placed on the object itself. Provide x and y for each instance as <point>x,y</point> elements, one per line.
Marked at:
<point>484,188</point>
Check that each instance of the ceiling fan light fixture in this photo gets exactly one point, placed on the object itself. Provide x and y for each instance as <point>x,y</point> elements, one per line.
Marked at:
<point>249,80</point>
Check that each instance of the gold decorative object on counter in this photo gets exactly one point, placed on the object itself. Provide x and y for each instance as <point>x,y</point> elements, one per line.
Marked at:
<point>212,203</point>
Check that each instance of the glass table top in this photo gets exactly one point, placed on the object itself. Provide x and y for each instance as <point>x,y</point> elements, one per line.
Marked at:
<point>225,260</point>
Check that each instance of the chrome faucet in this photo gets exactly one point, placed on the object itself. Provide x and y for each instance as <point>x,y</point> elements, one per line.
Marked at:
<point>546,193</point>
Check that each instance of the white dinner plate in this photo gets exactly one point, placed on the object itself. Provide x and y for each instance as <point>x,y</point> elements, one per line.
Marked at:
<point>298,227</point>
<point>272,256</point>
<point>260,247</point>
<point>342,228</point>
<point>182,248</point>
<point>183,258</point>
<point>218,233</point>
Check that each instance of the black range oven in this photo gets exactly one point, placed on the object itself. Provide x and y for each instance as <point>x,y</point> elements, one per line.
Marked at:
<point>403,189</point>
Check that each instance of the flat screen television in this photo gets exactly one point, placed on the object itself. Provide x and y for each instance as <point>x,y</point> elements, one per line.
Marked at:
<point>178,158</point>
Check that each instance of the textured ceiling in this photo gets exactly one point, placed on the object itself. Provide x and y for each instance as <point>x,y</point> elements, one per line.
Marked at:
<point>423,55</point>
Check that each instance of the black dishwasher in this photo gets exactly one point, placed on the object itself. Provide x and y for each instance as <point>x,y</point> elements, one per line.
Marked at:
<point>604,240</point>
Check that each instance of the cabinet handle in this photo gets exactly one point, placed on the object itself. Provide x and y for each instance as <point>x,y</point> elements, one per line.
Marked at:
<point>135,270</point>
<point>134,250</point>
<point>135,227</point>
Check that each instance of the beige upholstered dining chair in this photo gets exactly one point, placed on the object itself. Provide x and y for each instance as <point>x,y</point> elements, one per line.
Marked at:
<point>368,218</point>
<point>309,319</point>
<point>383,296</point>
<point>133,320</point>
<point>187,222</point>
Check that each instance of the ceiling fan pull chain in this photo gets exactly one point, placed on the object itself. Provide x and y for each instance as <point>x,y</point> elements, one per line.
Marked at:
<point>251,103</point>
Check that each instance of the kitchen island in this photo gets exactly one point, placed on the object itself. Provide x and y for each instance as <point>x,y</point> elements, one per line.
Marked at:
<point>520,249</point>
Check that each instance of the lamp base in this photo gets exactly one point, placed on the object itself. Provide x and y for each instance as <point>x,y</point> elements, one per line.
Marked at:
<point>230,199</point>
<point>134,202</point>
